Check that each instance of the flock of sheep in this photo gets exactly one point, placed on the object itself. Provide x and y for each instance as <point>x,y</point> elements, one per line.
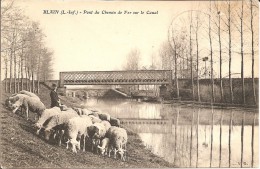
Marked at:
<point>74,125</point>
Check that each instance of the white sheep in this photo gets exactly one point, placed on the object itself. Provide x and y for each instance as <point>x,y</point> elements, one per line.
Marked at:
<point>47,113</point>
<point>28,94</point>
<point>29,103</point>
<point>106,124</point>
<point>75,129</point>
<point>104,148</point>
<point>57,123</point>
<point>118,140</point>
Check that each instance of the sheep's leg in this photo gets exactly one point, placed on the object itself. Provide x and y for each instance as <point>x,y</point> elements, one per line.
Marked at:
<point>93,144</point>
<point>115,151</point>
<point>74,148</point>
<point>67,147</point>
<point>84,140</point>
<point>61,135</point>
<point>35,117</point>
<point>27,113</point>
<point>125,152</point>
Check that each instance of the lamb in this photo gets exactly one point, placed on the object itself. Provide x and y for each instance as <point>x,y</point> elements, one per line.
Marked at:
<point>75,128</point>
<point>118,140</point>
<point>57,123</point>
<point>104,116</point>
<point>104,146</point>
<point>114,122</point>
<point>47,113</point>
<point>29,103</point>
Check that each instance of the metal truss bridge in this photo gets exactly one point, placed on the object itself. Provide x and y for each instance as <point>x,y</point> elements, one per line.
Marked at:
<point>131,77</point>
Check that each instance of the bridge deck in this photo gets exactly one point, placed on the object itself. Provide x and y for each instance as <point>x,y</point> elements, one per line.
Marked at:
<point>116,77</point>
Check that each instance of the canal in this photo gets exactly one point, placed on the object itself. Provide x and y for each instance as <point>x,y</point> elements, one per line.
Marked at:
<point>188,135</point>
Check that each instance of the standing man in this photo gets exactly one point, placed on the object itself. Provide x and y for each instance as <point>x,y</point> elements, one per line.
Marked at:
<point>55,100</point>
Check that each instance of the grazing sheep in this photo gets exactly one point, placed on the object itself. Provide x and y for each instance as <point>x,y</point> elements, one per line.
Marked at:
<point>47,113</point>
<point>28,94</point>
<point>114,122</point>
<point>104,116</point>
<point>95,119</point>
<point>96,132</point>
<point>75,128</point>
<point>104,146</point>
<point>57,123</point>
<point>118,140</point>
<point>29,103</point>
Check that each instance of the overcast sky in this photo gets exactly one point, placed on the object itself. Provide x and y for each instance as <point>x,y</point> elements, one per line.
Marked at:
<point>86,42</point>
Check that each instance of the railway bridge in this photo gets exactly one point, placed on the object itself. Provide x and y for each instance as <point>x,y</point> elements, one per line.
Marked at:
<point>131,77</point>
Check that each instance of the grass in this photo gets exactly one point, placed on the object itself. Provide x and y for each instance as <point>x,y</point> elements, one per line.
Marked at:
<point>22,148</point>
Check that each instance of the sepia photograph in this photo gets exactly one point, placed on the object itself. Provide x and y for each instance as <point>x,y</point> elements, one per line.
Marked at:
<point>129,84</point>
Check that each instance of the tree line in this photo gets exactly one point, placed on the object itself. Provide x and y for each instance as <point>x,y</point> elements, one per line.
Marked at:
<point>218,33</point>
<point>26,60</point>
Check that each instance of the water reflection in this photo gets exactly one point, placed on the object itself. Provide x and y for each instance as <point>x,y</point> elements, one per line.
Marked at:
<point>185,139</point>
<point>163,145</point>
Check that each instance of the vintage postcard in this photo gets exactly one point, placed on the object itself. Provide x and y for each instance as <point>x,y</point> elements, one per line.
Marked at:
<point>129,84</point>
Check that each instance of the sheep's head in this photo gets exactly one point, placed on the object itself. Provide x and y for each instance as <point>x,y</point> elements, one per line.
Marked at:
<point>15,106</point>
<point>118,141</point>
<point>121,152</point>
<point>102,150</point>
<point>38,125</point>
<point>75,145</point>
<point>8,103</point>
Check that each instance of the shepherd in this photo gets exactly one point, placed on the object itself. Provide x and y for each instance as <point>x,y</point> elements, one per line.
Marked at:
<point>55,100</point>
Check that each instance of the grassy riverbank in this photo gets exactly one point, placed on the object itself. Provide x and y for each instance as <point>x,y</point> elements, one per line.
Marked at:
<point>21,147</point>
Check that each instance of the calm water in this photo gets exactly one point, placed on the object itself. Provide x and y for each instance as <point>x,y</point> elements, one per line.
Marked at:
<point>162,138</point>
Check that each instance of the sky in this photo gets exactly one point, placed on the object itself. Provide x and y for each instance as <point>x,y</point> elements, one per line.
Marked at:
<point>88,42</point>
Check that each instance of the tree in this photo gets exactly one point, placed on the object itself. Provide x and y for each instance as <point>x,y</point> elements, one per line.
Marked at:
<point>165,54</point>
<point>191,57</point>
<point>252,47</point>
<point>133,60</point>
<point>218,25</point>
<point>197,54</point>
<point>22,43</point>
<point>211,58</point>
<point>230,53</point>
